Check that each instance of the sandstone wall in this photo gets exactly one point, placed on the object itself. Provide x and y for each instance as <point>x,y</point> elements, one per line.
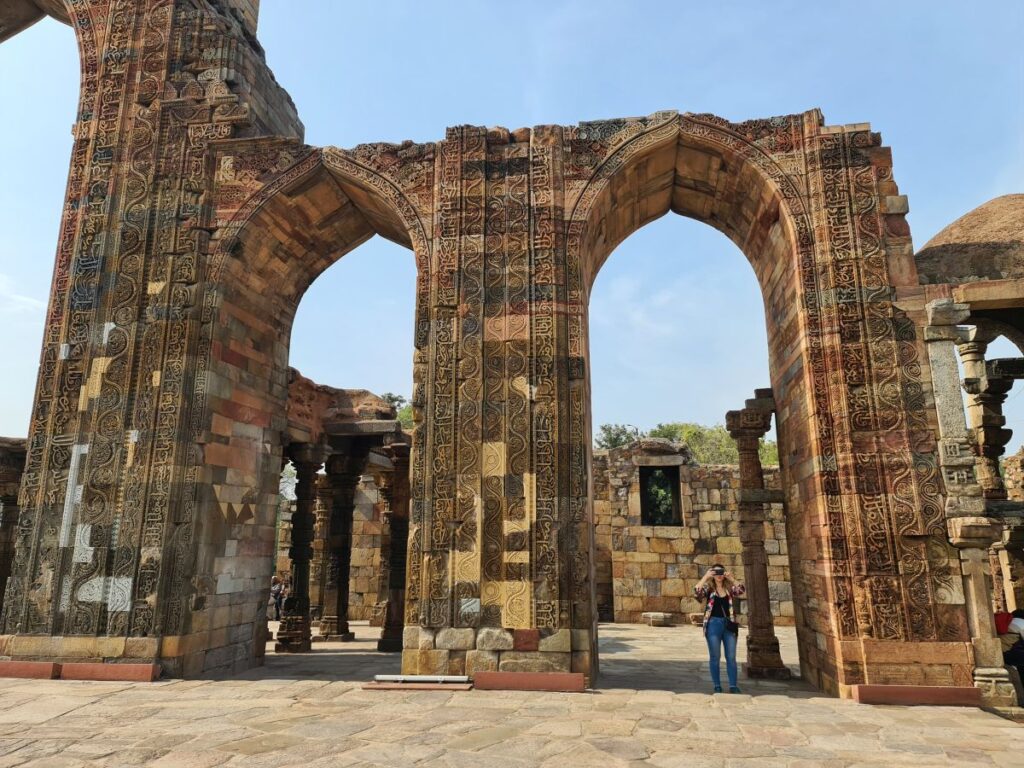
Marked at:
<point>364,599</point>
<point>655,568</point>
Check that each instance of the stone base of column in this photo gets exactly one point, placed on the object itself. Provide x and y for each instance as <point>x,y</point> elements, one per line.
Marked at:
<point>764,662</point>
<point>293,636</point>
<point>767,673</point>
<point>391,640</point>
<point>997,686</point>
<point>333,631</point>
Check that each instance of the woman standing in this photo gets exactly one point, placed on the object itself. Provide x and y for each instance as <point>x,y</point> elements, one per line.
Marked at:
<point>720,628</point>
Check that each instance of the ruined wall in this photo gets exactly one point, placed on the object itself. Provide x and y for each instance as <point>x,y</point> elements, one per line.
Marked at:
<point>655,568</point>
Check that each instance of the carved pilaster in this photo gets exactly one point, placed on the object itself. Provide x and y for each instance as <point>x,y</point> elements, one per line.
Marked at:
<point>747,427</point>
<point>396,493</point>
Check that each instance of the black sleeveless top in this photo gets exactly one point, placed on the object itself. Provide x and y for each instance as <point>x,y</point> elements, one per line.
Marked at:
<point>719,606</point>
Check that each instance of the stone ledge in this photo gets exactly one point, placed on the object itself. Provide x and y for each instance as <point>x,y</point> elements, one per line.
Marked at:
<point>31,670</point>
<point>132,673</point>
<point>564,682</point>
<point>934,695</point>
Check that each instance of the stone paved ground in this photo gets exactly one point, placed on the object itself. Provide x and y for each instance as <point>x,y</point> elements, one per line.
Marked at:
<point>653,710</point>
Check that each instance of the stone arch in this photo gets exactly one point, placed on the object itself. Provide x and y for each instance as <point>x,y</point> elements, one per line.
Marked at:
<point>702,168</point>
<point>751,182</point>
<point>305,208</point>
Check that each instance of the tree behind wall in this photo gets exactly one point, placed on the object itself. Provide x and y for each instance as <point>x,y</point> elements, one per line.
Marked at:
<point>710,445</point>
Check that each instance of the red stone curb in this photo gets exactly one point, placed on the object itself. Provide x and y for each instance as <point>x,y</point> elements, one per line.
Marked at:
<point>567,682</point>
<point>947,695</point>
<point>31,670</point>
<point>128,673</point>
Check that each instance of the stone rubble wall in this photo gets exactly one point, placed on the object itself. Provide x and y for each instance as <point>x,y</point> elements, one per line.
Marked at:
<point>655,568</point>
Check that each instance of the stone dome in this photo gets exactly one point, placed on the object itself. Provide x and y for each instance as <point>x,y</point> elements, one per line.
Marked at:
<point>984,244</point>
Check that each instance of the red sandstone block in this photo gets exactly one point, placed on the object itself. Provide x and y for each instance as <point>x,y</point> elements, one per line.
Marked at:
<point>131,673</point>
<point>568,682</point>
<point>954,696</point>
<point>525,639</point>
<point>33,670</point>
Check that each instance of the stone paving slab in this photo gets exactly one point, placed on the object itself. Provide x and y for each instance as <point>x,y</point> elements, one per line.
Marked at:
<point>653,709</point>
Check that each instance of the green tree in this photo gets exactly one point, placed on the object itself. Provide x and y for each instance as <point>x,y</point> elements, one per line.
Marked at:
<point>712,445</point>
<point>405,416</point>
<point>615,435</point>
<point>395,401</point>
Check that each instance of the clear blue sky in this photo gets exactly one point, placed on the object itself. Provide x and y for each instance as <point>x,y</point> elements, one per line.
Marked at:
<point>677,323</point>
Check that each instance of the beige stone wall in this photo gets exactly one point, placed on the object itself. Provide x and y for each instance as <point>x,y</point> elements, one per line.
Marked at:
<point>1013,475</point>
<point>364,602</point>
<point>655,568</point>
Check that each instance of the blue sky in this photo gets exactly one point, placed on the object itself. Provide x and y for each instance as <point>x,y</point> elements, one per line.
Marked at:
<point>677,326</point>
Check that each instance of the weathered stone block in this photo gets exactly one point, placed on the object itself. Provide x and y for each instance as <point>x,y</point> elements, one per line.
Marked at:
<point>453,639</point>
<point>494,639</point>
<point>481,661</point>
<point>560,641</point>
<point>535,661</point>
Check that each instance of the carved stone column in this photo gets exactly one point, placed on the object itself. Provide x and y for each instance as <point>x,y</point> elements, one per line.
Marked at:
<point>995,568</point>
<point>986,395</point>
<point>747,427</point>
<point>1011,566</point>
<point>319,562</point>
<point>969,528</point>
<point>396,492</point>
<point>344,468</point>
<point>293,636</point>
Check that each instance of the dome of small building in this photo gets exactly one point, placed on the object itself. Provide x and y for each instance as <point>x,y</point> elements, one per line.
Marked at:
<point>984,244</point>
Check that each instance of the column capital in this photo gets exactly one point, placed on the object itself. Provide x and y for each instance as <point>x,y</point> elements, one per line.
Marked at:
<point>748,422</point>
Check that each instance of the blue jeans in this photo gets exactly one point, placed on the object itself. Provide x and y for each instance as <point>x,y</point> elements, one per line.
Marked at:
<point>716,635</point>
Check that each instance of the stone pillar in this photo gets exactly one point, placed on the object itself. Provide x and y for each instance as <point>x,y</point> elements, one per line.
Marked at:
<point>396,492</point>
<point>344,468</point>
<point>1011,566</point>
<point>996,569</point>
<point>969,529</point>
<point>293,636</point>
<point>318,565</point>
<point>986,395</point>
<point>747,427</point>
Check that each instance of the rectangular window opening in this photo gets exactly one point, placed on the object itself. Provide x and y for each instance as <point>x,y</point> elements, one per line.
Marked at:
<point>659,496</point>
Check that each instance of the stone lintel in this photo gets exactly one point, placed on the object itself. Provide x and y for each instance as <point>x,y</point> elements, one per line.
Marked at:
<point>761,496</point>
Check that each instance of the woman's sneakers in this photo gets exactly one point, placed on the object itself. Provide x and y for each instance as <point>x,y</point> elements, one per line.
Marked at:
<point>718,689</point>
<point>734,689</point>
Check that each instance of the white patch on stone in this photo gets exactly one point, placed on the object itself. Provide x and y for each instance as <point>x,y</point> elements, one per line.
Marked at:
<point>73,494</point>
<point>107,328</point>
<point>64,350</point>
<point>115,591</point>
<point>83,552</point>
<point>231,548</point>
<point>65,595</point>
<point>118,593</point>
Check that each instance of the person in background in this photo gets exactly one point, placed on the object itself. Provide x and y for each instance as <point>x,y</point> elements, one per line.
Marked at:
<point>277,595</point>
<point>1013,642</point>
<point>718,589</point>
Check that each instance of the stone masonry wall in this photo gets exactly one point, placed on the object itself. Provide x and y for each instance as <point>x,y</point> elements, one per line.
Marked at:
<point>654,568</point>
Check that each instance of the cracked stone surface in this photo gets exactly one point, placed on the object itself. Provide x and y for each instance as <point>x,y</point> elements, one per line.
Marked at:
<point>652,708</point>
